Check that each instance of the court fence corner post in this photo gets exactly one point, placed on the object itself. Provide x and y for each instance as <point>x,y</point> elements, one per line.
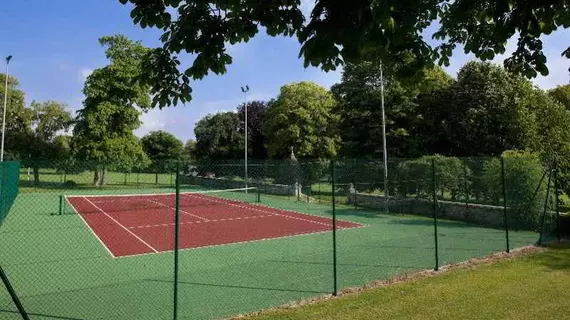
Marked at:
<point>434,209</point>
<point>176,240</point>
<point>335,274</point>
<point>505,218</point>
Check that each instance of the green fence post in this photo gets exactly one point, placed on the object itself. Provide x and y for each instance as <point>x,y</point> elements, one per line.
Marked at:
<point>545,208</point>
<point>558,231</point>
<point>466,185</point>
<point>60,204</point>
<point>176,239</point>
<point>13,294</point>
<point>505,220</point>
<point>319,190</point>
<point>335,286</point>
<point>434,196</point>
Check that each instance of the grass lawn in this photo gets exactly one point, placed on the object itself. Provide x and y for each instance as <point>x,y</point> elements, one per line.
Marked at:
<point>529,287</point>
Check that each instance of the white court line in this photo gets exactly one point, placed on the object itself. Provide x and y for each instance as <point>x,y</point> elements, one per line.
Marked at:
<point>292,235</point>
<point>173,208</point>
<point>122,226</point>
<point>196,222</point>
<point>254,208</point>
<point>160,194</point>
<point>89,227</point>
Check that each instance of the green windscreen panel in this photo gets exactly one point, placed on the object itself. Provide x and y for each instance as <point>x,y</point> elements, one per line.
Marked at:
<point>9,186</point>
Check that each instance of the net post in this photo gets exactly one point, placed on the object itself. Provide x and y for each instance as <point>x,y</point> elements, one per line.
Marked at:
<point>556,204</point>
<point>176,240</point>
<point>60,204</point>
<point>335,286</point>
<point>434,197</point>
<point>505,220</point>
<point>258,194</point>
<point>545,209</point>
<point>13,294</point>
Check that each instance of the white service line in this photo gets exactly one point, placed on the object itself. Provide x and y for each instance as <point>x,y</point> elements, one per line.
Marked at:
<point>196,222</point>
<point>122,226</point>
<point>173,208</point>
<point>254,208</point>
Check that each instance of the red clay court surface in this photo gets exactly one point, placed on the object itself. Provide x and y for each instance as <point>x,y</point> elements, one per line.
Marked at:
<point>144,224</point>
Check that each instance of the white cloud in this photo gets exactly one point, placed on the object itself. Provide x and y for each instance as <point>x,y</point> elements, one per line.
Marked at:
<point>84,73</point>
<point>152,120</point>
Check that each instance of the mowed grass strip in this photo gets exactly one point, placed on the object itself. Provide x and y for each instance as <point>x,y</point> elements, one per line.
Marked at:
<point>534,286</point>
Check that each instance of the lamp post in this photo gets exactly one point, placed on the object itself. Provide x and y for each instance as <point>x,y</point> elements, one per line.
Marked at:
<point>385,152</point>
<point>245,90</point>
<point>4,110</point>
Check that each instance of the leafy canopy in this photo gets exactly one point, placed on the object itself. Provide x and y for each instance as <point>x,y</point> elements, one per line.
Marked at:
<point>256,113</point>
<point>339,32</point>
<point>562,95</point>
<point>161,147</point>
<point>302,118</point>
<point>218,137</point>
<point>115,95</point>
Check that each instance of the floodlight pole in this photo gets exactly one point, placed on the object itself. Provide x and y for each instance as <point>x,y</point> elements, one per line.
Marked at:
<point>4,110</point>
<point>245,91</point>
<point>385,152</point>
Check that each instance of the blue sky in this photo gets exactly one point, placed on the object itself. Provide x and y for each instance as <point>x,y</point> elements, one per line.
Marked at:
<point>54,43</point>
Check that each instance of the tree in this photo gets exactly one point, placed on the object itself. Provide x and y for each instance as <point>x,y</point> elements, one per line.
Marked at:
<point>483,113</point>
<point>48,118</point>
<point>302,118</point>
<point>189,150</point>
<point>359,107</point>
<point>256,111</point>
<point>562,95</point>
<point>162,148</point>
<point>343,31</point>
<point>217,137</point>
<point>115,96</point>
<point>18,120</point>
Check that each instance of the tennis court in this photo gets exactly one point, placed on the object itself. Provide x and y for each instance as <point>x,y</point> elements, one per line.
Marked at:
<point>108,253</point>
<point>128,225</point>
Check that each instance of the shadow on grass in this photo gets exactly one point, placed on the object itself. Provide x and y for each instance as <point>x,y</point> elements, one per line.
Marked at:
<point>557,258</point>
<point>229,286</point>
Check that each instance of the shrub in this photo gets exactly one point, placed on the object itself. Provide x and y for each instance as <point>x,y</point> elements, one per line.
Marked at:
<point>525,197</point>
<point>450,173</point>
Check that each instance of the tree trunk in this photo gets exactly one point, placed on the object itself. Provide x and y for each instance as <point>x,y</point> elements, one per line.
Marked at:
<point>156,178</point>
<point>99,176</point>
<point>36,175</point>
<point>103,175</point>
<point>96,177</point>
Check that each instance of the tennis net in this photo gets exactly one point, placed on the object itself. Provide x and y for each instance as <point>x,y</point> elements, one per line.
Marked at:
<point>149,202</point>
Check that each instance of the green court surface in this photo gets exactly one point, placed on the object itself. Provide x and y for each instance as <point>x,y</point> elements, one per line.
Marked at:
<point>61,271</point>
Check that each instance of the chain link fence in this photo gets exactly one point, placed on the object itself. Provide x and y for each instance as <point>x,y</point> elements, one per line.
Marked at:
<point>203,240</point>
